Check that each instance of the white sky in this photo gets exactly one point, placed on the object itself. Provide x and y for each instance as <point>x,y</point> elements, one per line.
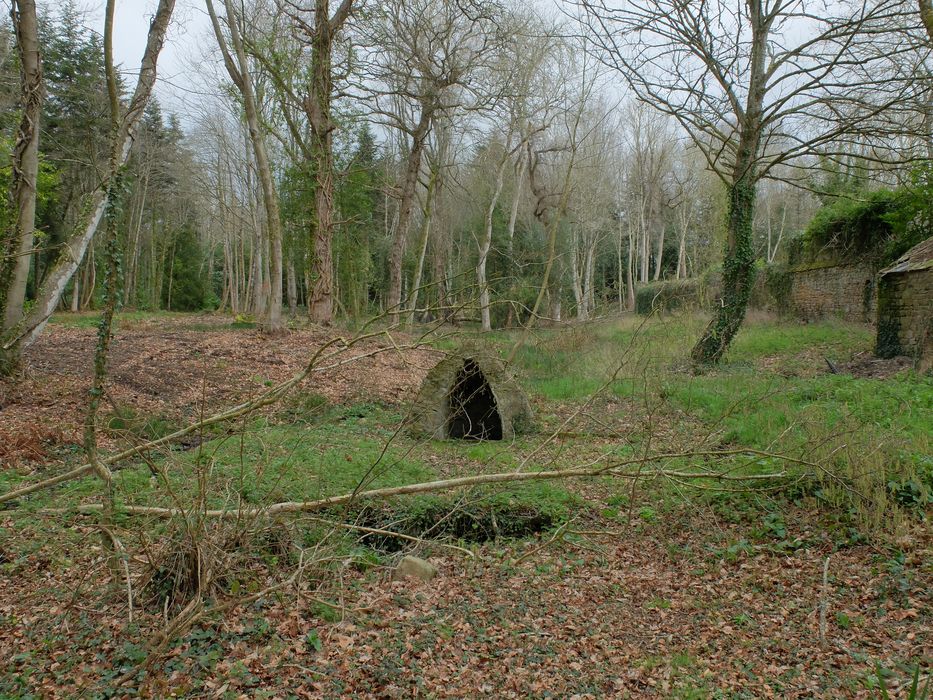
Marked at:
<point>188,33</point>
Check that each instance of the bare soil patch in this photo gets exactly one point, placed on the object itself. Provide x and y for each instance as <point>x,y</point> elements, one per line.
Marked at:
<point>164,368</point>
<point>867,366</point>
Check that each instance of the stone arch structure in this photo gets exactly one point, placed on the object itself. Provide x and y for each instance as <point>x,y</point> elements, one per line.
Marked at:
<point>470,395</point>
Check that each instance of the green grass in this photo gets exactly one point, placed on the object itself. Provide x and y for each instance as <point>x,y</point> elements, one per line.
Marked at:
<point>313,450</point>
<point>345,448</point>
<point>755,410</point>
<point>834,338</point>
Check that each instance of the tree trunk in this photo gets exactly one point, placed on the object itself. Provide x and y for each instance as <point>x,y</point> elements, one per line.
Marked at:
<point>619,266</point>
<point>630,270</point>
<point>427,214</point>
<point>115,191</point>
<point>132,245</point>
<point>317,106</point>
<point>682,256</point>
<point>292,287</point>
<point>14,272</point>
<point>589,275</point>
<point>485,243</point>
<point>576,276</point>
<point>737,277</point>
<point>318,109</point>
<point>660,254</point>
<point>738,267</point>
<point>439,263</point>
<point>644,243</point>
<point>238,69</point>
<point>26,332</point>
<point>89,279</point>
<point>516,199</point>
<point>554,308</point>
<point>406,201</point>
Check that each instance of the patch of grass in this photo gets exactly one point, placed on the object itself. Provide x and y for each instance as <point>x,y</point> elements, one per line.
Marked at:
<point>562,388</point>
<point>126,422</point>
<point>769,339</point>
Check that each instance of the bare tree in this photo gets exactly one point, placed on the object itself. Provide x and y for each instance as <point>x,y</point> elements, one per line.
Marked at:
<point>686,196</point>
<point>423,57</point>
<point>756,84</point>
<point>523,98</point>
<point>438,157</point>
<point>553,153</point>
<point>238,69</point>
<point>650,150</point>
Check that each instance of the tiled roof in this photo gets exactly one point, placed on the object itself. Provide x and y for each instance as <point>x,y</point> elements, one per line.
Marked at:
<point>920,257</point>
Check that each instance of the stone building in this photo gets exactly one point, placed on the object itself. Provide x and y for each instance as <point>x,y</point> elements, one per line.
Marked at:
<point>905,306</point>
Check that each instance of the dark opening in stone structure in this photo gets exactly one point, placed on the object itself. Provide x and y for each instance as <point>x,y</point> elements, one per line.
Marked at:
<point>470,394</point>
<point>471,406</point>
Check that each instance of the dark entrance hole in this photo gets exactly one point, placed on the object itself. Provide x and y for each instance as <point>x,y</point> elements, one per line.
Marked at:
<point>471,406</point>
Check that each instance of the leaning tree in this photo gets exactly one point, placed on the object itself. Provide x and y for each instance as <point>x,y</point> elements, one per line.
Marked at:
<point>758,84</point>
<point>20,330</point>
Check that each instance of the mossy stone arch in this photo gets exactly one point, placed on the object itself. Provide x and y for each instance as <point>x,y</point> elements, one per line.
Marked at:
<point>470,395</point>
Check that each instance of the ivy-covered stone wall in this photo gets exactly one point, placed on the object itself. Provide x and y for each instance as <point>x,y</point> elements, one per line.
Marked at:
<point>905,315</point>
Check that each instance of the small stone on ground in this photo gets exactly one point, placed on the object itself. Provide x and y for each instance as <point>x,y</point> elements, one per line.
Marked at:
<point>413,567</point>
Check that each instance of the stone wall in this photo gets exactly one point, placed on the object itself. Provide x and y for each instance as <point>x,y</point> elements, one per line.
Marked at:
<point>848,291</point>
<point>905,315</point>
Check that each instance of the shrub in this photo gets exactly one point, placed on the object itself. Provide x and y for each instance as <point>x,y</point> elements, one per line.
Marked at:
<point>876,226</point>
<point>852,228</point>
<point>667,296</point>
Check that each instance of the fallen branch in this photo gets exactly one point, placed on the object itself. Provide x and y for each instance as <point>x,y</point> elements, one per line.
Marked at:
<point>824,601</point>
<point>440,485</point>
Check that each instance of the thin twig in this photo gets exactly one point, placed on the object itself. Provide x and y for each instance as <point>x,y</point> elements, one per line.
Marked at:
<point>557,534</point>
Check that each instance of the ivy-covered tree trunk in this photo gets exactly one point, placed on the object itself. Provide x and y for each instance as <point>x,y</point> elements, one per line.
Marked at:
<point>17,241</point>
<point>318,108</point>
<point>738,275</point>
<point>114,199</point>
<point>738,265</point>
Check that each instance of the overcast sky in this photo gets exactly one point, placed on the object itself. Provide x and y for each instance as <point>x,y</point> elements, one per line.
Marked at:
<point>188,34</point>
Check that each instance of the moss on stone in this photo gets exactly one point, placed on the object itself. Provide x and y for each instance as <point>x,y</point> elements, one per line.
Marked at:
<point>430,415</point>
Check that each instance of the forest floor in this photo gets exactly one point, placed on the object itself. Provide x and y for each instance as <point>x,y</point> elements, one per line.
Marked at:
<point>657,587</point>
